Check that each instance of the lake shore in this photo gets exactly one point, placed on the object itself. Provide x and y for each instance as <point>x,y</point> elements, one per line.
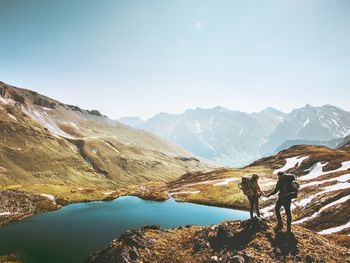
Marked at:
<point>88,227</point>
<point>21,205</point>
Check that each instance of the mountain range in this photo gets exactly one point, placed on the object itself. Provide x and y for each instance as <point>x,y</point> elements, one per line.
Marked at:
<point>234,138</point>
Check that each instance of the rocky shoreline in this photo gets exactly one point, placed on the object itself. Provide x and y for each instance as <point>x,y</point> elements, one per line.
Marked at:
<point>17,205</point>
<point>134,245</point>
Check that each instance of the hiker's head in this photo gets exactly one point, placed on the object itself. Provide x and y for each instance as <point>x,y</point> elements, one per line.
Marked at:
<point>280,174</point>
<point>255,177</point>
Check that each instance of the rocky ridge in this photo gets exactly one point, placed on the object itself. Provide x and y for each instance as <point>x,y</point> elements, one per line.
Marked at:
<point>231,241</point>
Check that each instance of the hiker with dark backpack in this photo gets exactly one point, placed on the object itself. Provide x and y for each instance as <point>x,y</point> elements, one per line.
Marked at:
<point>250,187</point>
<point>288,190</point>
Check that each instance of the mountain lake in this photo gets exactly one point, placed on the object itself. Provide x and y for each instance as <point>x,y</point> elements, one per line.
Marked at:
<point>73,232</point>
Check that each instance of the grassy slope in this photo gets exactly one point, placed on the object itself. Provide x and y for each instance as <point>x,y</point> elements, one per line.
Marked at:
<point>226,195</point>
<point>50,147</point>
<point>33,159</point>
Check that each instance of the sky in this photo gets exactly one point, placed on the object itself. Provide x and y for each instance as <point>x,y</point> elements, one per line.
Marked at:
<point>139,58</point>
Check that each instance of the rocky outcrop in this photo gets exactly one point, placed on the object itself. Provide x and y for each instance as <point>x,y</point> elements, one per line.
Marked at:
<point>16,205</point>
<point>7,93</point>
<point>95,112</point>
<point>231,241</point>
<point>44,103</point>
<point>132,240</point>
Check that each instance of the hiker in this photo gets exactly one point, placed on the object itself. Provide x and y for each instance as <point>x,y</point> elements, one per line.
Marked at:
<point>252,190</point>
<point>254,199</point>
<point>287,188</point>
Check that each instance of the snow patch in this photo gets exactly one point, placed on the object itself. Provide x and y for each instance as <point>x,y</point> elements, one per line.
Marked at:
<point>5,213</point>
<point>317,170</point>
<point>215,182</point>
<point>226,181</point>
<point>73,124</point>
<point>339,201</point>
<point>290,163</point>
<point>51,197</point>
<point>110,193</point>
<point>198,127</point>
<point>43,119</point>
<point>184,192</point>
<point>335,187</point>
<point>267,211</point>
<point>4,102</point>
<point>7,101</point>
<point>335,122</point>
<point>12,117</point>
<point>263,140</point>
<point>110,146</point>
<point>334,229</point>
<point>342,178</point>
<point>306,122</point>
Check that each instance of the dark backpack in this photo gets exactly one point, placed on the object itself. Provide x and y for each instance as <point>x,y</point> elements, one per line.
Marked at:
<point>290,185</point>
<point>246,185</point>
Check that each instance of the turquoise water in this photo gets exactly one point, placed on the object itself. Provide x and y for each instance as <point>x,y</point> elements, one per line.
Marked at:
<point>75,231</point>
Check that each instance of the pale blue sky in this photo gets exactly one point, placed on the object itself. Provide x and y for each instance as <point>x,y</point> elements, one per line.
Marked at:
<point>137,57</point>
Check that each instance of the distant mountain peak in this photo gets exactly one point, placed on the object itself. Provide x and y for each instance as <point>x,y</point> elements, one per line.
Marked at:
<point>235,138</point>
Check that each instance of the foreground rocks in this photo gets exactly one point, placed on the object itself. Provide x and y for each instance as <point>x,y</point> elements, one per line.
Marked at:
<point>16,205</point>
<point>231,241</point>
<point>9,259</point>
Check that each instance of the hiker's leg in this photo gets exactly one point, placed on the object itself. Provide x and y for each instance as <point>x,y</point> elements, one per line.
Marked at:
<point>278,213</point>
<point>257,206</point>
<point>251,202</point>
<point>287,204</point>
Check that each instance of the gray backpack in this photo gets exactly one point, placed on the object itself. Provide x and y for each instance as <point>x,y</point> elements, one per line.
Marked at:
<point>247,186</point>
<point>290,185</point>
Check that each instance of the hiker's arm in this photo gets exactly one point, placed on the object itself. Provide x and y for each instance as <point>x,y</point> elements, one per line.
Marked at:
<point>275,191</point>
<point>259,190</point>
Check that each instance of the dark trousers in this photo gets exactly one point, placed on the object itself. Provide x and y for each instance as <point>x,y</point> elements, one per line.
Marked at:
<point>254,203</point>
<point>286,203</point>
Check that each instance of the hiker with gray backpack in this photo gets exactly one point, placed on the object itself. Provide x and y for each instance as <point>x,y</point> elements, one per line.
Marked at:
<point>287,189</point>
<point>250,187</point>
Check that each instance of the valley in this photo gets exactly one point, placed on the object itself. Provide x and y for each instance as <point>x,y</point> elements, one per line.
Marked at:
<point>53,154</point>
<point>63,154</point>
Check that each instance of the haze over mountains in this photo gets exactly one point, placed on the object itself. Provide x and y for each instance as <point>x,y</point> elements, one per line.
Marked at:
<point>235,138</point>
